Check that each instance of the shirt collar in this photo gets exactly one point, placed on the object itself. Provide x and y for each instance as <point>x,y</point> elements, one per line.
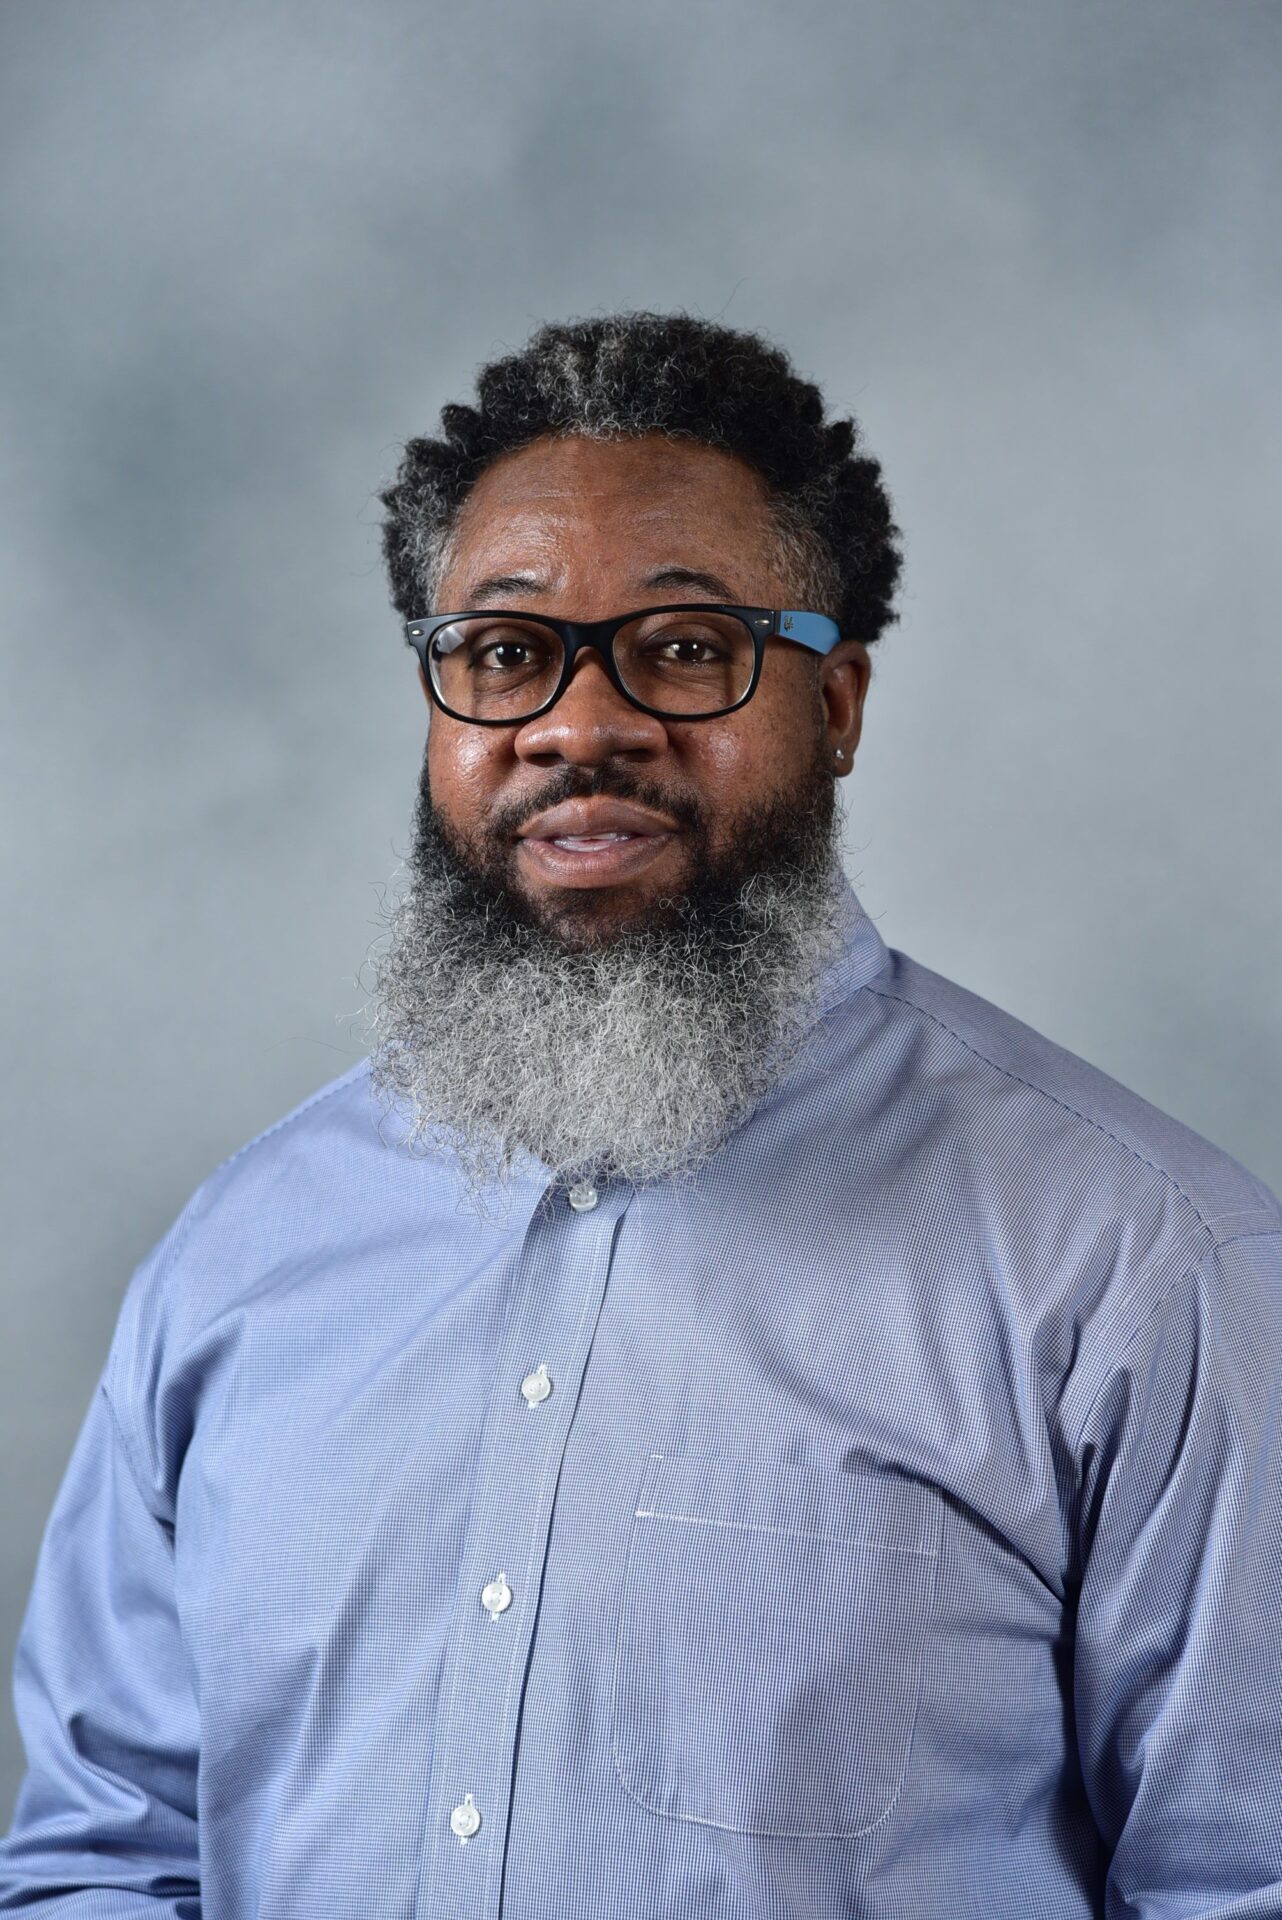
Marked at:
<point>863,953</point>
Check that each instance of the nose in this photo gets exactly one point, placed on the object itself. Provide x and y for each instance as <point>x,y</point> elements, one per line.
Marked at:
<point>590,723</point>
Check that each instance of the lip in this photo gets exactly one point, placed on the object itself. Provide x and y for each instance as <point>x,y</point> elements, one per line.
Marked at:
<point>640,839</point>
<point>578,818</point>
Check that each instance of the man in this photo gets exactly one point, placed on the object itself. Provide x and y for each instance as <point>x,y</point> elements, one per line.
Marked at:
<point>710,1418</point>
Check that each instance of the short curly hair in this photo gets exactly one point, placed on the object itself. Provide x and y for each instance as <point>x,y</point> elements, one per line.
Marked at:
<point>629,374</point>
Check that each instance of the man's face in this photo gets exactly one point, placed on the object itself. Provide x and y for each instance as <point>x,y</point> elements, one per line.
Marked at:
<point>585,529</point>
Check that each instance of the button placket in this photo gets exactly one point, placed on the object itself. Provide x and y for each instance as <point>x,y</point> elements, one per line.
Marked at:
<point>556,1308</point>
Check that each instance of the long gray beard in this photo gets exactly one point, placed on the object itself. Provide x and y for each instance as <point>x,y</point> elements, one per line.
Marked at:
<point>634,1058</point>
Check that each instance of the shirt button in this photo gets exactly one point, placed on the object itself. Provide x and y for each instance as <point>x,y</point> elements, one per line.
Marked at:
<point>583,1196</point>
<point>496,1598</point>
<point>536,1386</point>
<point>465,1819</point>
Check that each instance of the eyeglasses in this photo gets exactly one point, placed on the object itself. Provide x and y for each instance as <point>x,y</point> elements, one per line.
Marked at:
<point>692,662</point>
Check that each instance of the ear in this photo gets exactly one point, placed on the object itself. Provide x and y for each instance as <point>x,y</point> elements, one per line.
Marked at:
<point>843,683</point>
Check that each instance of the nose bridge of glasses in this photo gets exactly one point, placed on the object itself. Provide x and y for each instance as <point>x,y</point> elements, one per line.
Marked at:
<point>591,643</point>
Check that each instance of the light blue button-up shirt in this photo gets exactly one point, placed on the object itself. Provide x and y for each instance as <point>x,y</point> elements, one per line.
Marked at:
<point>885,1521</point>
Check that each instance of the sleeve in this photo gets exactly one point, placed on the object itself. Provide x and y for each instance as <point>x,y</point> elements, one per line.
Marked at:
<point>1178,1654</point>
<point>105,1822</point>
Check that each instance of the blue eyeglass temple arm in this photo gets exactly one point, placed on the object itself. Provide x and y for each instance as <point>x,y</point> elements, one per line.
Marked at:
<point>813,630</point>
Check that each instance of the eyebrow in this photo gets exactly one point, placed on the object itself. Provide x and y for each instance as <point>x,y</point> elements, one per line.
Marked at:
<point>482,591</point>
<point>690,577</point>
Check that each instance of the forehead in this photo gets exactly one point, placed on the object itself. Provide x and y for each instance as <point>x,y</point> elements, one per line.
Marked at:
<point>633,499</point>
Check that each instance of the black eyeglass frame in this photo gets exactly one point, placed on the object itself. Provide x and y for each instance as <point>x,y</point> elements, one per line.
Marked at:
<point>812,630</point>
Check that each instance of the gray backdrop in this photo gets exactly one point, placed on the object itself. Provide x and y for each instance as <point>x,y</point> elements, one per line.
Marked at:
<point>247,249</point>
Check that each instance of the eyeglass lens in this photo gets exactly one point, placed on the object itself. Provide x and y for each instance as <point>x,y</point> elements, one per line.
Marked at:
<point>496,667</point>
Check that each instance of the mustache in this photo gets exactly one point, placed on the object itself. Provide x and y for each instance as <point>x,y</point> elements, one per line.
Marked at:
<point>576,783</point>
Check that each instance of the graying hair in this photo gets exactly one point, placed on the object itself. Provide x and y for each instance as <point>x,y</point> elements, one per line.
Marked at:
<point>631,374</point>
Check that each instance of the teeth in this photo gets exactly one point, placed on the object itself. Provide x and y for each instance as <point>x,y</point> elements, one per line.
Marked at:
<point>588,842</point>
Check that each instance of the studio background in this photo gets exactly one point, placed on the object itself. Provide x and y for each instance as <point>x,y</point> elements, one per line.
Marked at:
<point>247,251</point>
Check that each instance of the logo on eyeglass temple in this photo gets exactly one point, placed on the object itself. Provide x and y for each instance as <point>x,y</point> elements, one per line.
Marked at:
<point>787,622</point>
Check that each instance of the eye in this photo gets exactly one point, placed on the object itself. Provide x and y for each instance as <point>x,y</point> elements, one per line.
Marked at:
<point>691,650</point>
<point>686,645</point>
<point>492,649</point>
<point>504,654</point>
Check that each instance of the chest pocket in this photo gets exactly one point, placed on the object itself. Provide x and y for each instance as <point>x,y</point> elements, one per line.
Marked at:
<point>771,1636</point>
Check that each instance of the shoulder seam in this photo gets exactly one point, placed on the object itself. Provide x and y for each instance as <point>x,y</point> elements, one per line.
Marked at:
<point>169,1249</point>
<point>287,1119</point>
<point>1142,1326</point>
<point>1055,1100</point>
